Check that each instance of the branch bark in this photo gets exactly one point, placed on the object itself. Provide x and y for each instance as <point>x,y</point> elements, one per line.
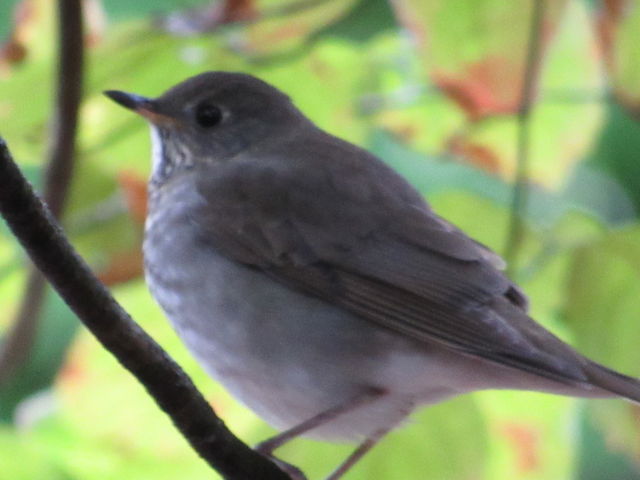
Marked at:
<point>20,338</point>
<point>38,232</point>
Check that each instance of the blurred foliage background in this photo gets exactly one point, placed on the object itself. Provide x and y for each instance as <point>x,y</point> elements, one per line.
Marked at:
<point>432,86</point>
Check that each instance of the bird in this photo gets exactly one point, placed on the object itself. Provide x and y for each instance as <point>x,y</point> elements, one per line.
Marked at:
<point>317,285</point>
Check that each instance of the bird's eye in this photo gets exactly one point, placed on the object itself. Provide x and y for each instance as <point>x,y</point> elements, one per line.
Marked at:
<point>208,115</point>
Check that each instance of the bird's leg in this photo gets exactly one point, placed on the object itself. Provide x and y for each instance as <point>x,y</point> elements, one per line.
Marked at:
<point>294,472</point>
<point>268,446</point>
<point>359,452</point>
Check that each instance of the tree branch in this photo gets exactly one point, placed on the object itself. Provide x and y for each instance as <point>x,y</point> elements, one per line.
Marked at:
<point>19,340</point>
<point>520,189</point>
<point>38,232</point>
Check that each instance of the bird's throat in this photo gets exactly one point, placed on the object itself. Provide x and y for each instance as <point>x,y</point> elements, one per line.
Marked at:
<point>157,151</point>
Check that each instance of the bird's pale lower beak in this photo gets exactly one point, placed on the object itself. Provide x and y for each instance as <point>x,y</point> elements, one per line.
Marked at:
<point>139,104</point>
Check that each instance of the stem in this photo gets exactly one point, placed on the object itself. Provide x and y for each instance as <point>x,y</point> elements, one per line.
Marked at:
<point>519,202</point>
<point>21,336</point>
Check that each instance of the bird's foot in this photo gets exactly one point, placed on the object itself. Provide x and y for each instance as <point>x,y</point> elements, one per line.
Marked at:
<point>294,472</point>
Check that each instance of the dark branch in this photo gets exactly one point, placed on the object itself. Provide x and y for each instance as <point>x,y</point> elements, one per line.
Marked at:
<point>36,229</point>
<point>20,338</point>
<point>68,94</point>
<point>520,190</point>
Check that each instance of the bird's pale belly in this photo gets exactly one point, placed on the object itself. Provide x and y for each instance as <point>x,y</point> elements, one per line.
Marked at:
<point>289,356</point>
<point>284,354</point>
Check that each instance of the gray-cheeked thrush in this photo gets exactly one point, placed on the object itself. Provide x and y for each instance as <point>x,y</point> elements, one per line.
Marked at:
<point>316,284</point>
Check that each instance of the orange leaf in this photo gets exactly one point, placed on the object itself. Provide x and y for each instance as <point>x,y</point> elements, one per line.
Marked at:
<point>134,188</point>
<point>488,87</point>
<point>122,267</point>
<point>525,442</point>
<point>479,155</point>
<point>610,14</point>
<point>13,50</point>
<point>476,51</point>
<point>238,10</point>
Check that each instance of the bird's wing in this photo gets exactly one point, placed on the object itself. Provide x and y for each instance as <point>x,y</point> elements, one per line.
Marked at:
<point>363,239</point>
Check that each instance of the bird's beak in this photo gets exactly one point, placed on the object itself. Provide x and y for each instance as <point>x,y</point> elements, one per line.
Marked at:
<point>141,105</point>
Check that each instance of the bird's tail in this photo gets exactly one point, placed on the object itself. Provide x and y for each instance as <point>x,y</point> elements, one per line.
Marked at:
<point>613,382</point>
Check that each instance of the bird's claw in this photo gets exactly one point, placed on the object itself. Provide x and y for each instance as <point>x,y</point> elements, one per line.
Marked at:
<point>294,472</point>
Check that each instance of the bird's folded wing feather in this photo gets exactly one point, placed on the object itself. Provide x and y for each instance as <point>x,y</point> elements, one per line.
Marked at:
<point>362,239</point>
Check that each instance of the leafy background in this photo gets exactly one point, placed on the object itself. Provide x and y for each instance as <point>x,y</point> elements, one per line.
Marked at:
<point>434,88</point>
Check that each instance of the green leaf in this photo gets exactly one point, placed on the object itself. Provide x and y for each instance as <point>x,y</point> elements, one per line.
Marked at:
<point>56,329</point>
<point>596,460</point>
<point>587,191</point>
<point>366,20</point>
<point>474,53</point>
<point>278,33</point>
<point>619,29</point>
<point>126,9</point>
<point>616,151</point>
<point>475,49</point>
<point>447,441</point>
<point>6,17</point>
<point>602,308</point>
<point>25,459</point>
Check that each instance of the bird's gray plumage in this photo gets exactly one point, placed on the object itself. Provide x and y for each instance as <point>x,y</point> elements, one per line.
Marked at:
<point>302,271</point>
<point>336,223</point>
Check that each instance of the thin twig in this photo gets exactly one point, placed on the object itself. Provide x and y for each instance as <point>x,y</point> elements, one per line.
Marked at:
<point>38,232</point>
<point>20,338</point>
<point>520,190</point>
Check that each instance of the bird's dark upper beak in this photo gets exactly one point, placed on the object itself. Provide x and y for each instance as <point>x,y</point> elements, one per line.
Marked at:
<point>141,105</point>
